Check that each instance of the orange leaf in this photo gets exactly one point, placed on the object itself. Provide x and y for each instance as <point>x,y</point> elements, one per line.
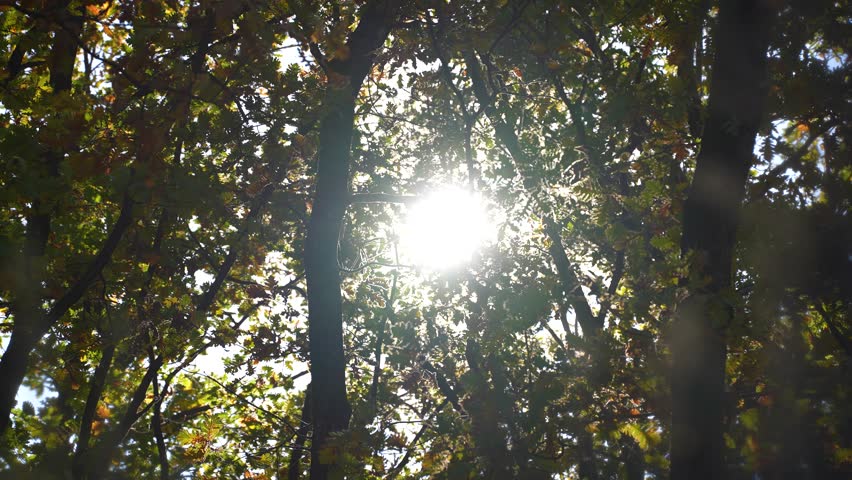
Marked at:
<point>97,10</point>
<point>102,411</point>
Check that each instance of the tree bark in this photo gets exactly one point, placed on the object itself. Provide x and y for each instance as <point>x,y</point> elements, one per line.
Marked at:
<point>710,222</point>
<point>331,409</point>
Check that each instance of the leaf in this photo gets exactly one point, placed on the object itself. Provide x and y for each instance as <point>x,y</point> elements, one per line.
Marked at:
<point>749,419</point>
<point>637,434</point>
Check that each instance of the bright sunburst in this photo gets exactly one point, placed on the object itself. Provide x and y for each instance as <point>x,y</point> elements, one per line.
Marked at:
<point>445,228</point>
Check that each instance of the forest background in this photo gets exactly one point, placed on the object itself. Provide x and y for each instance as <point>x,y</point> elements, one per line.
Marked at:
<point>204,270</point>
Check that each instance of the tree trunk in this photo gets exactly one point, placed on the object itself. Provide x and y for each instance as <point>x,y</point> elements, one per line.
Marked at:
<point>709,233</point>
<point>13,367</point>
<point>331,410</point>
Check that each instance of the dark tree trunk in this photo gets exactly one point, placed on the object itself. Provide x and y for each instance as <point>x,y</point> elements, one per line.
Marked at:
<point>325,328</point>
<point>96,388</point>
<point>331,410</point>
<point>373,394</point>
<point>482,403</point>
<point>13,367</point>
<point>633,459</point>
<point>709,230</point>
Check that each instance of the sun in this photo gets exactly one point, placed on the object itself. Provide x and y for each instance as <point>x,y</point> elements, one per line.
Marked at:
<point>445,228</point>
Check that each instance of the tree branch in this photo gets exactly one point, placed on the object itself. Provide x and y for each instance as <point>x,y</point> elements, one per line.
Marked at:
<point>16,357</point>
<point>617,273</point>
<point>95,391</point>
<point>569,280</point>
<point>157,428</point>
<point>96,462</point>
<point>100,261</point>
<point>405,458</point>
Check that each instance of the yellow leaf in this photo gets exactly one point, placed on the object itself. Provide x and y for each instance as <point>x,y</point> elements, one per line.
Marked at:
<point>637,434</point>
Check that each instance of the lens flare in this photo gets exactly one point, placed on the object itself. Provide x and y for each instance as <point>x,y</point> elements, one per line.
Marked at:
<point>445,228</point>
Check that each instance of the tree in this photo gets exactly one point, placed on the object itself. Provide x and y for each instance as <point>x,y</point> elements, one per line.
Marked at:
<point>345,69</point>
<point>710,218</point>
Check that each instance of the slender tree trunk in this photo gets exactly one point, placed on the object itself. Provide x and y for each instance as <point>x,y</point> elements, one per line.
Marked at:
<point>709,230</point>
<point>633,458</point>
<point>331,409</point>
<point>592,326</point>
<point>96,389</point>
<point>490,438</point>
